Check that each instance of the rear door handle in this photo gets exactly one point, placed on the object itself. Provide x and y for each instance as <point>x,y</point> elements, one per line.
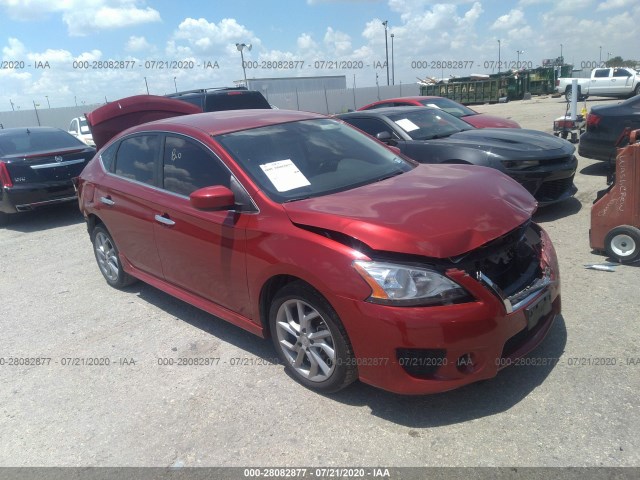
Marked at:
<point>164,220</point>
<point>107,201</point>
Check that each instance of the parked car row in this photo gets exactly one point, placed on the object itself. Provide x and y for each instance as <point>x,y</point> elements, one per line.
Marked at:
<point>358,261</point>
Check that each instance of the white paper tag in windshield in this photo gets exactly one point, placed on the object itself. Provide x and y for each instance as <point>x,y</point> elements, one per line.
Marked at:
<point>407,125</point>
<point>432,105</point>
<point>284,175</point>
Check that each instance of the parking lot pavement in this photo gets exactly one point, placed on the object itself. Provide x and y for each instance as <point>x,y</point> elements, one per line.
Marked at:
<point>120,387</point>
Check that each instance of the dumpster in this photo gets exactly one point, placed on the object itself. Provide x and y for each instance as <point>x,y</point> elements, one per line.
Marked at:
<point>615,214</point>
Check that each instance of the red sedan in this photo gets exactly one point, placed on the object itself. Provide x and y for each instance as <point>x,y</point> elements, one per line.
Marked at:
<point>356,262</point>
<point>478,120</point>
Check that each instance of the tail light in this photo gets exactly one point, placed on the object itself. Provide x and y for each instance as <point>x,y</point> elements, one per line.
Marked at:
<point>5,178</point>
<point>593,120</point>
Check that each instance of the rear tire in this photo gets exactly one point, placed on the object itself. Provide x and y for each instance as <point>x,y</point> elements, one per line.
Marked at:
<point>636,91</point>
<point>107,256</point>
<point>623,243</point>
<point>310,339</point>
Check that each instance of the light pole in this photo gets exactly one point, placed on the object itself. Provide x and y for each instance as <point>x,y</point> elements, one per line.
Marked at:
<point>386,47</point>
<point>561,57</point>
<point>11,102</point>
<point>393,66</point>
<point>519,52</point>
<point>600,61</point>
<point>241,47</point>
<point>48,104</point>
<point>498,56</point>
<point>175,84</point>
<point>146,84</point>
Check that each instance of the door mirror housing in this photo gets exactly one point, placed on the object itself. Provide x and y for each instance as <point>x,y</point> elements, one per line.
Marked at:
<point>212,198</point>
<point>385,137</point>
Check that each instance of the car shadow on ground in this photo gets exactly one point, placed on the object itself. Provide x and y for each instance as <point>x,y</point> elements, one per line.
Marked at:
<point>569,207</point>
<point>45,218</point>
<point>599,169</point>
<point>221,329</point>
<point>478,400</point>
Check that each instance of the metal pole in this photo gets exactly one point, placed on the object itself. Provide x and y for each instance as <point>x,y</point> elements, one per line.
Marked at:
<point>146,84</point>
<point>393,65</point>
<point>498,56</point>
<point>244,70</point>
<point>600,62</point>
<point>36,109</point>
<point>386,48</point>
<point>48,104</point>
<point>175,84</point>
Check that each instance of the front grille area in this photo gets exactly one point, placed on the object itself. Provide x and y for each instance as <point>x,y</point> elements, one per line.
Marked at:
<point>511,262</point>
<point>554,189</point>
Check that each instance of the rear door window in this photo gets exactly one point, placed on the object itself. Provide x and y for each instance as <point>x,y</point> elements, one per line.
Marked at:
<point>136,158</point>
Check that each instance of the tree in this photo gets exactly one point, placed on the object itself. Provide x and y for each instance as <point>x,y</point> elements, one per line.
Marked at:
<point>619,62</point>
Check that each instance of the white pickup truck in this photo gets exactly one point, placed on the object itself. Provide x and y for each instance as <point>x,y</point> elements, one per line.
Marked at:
<point>604,82</point>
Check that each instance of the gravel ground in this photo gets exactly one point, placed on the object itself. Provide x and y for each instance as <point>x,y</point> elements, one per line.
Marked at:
<point>134,412</point>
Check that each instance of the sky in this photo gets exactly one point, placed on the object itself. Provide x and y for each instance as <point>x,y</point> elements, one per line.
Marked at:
<point>74,52</point>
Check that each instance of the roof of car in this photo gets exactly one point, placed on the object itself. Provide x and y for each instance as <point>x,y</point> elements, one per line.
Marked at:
<point>226,121</point>
<point>382,112</point>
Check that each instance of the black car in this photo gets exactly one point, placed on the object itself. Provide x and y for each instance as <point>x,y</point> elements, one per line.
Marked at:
<point>543,164</point>
<point>605,124</point>
<point>37,165</point>
<point>216,99</point>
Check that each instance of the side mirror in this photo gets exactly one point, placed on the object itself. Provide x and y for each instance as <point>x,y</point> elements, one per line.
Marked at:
<point>212,198</point>
<point>385,137</point>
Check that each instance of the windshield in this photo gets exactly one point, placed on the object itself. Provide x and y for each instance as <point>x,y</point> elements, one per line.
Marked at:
<point>84,127</point>
<point>428,123</point>
<point>449,106</point>
<point>296,160</point>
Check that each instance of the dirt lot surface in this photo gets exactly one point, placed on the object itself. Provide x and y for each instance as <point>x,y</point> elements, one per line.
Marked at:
<point>574,404</point>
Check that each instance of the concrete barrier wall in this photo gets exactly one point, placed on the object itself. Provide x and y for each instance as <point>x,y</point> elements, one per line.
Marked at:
<point>323,101</point>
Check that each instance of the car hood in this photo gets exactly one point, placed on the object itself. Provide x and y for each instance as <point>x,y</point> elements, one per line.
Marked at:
<point>437,211</point>
<point>483,120</point>
<point>109,120</point>
<point>510,141</point>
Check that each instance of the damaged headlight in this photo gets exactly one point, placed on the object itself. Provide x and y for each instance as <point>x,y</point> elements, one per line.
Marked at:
<point>395,284</point>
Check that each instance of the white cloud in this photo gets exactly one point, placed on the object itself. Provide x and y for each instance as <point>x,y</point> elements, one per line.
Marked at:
<point>15,49</point>
<point>137,44</point>
<point>84,16</point>
<point>207,36</point>
<point>509,20</point>
<point>612,4</point>
<point>339,42</point>
<point>306,42</point>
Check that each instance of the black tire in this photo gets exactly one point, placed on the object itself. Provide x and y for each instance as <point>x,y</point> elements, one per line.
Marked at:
<point>568,94</point>
<point>636,91</point>
<point>623,243</point>
<point>107,257</point>
<point>318,369</point>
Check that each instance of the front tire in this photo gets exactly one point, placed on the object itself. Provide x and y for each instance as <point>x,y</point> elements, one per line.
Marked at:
<point>310,339</point>
<point>623,243</point>
<point>108,259</point>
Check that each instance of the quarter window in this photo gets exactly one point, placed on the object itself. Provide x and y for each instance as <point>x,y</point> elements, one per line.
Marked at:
<point>188,166</point>
<point>136,158</point>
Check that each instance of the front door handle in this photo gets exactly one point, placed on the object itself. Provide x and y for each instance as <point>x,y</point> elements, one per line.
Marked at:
<point>107,201</point>
<point>164,220</point>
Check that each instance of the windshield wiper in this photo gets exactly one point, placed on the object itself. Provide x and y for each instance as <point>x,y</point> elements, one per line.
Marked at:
<point>390,175</point>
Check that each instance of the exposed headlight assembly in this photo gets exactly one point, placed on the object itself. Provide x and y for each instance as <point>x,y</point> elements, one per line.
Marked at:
<point>401,285</point>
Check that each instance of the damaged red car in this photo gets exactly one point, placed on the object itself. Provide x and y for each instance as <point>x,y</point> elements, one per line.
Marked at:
<point>356,262</point>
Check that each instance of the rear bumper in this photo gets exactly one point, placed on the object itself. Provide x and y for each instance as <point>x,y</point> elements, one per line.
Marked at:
<point>596,148</point>
<point>22,198</point>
